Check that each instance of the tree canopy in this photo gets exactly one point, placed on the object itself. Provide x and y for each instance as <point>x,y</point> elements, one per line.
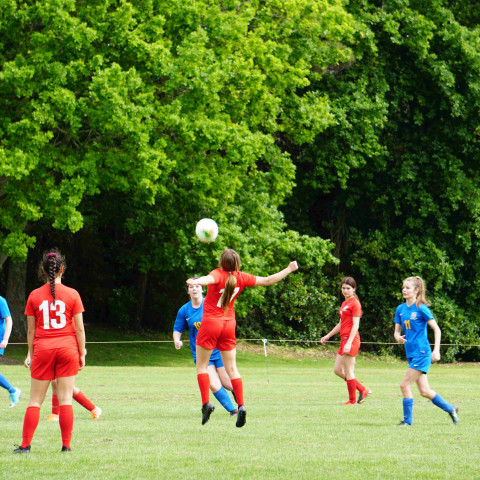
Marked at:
<point>340,134</point>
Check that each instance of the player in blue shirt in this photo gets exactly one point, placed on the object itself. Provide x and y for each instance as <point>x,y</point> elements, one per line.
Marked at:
<point>412,317</point>
<point>5,330</point>
<point>190,317</point>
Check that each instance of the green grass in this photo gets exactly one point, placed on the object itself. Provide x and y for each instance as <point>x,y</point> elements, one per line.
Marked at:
<point>297,427</point>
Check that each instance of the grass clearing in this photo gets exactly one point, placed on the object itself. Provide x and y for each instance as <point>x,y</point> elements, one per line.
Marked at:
<point>297,427</point>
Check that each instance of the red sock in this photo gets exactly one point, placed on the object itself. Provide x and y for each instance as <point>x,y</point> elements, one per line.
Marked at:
<point>237,385</point>
<point>66,424</point>
<point>360,387</point>
<point>84,401</point>
<point>54,405</point>
<point>351,385</point>
<point>204,384</point>
<point>30,423</point>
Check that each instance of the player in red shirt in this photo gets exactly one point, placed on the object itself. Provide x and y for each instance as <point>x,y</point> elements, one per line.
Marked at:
<point>79,397</point>
<point>217,330</point>
<point>56,347</point>
<point>350,313</point>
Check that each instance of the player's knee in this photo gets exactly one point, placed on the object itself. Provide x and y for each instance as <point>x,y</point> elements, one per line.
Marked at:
<point>427,393</point>
<point>339,372</point>
<point>231,371</point>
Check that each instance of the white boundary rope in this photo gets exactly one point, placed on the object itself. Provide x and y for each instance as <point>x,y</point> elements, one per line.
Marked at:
<point>264,340</point>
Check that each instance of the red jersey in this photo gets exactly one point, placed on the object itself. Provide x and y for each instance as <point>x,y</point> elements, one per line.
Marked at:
<point>212,305</point>
<point>350,308</point>
<point>54,323</point>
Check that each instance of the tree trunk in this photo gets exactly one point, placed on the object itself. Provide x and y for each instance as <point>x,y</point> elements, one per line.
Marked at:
<point>16,284</point>
<point>142,291</point>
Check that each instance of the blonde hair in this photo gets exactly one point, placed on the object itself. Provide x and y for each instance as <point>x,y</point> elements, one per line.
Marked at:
<point>229,261</point>
<point>420,285</point>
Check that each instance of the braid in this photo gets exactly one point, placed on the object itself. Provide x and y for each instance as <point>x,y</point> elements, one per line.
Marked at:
<point>52,266</point>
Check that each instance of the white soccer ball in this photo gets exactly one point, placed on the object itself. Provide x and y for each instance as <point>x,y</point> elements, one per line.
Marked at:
<point>206,230</point>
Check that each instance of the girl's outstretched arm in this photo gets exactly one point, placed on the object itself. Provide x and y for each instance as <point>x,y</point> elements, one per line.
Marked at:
<point>276,277</point>
<point>206,280</point>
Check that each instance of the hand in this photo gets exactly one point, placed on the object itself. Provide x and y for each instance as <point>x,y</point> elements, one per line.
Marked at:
<point>293,266</point>
<point>3,345</point>
<point>324,340</point>
<point>178,344</point>
<point>191,281</point>
<point>27,361</point>
<point>347,347</point>
<point>81,361</point>
<point>435,356</point>
<point>401,339</point>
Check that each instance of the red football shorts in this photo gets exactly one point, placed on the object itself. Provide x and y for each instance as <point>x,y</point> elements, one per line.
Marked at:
<point>355,346</point>
<point>53,363</point>
<point>217,334</point>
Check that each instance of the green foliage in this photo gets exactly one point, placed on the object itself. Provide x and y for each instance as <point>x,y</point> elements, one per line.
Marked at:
<point>355,124</point>
<point>394,182</point>
<point>134,120</point>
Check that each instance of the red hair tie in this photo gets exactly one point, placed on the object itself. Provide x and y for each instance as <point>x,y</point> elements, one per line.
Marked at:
<point>50,255</point>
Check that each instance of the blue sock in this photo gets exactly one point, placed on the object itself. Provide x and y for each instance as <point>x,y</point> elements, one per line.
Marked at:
<point>5,384</point>
<point>223,397</point>
<point>408,410</point>
<point>441,403</point>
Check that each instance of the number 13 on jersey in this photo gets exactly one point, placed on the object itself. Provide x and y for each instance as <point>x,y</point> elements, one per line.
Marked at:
<point>59,320</point>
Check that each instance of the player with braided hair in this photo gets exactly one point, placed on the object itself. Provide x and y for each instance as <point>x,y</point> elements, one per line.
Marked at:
<point>56,347</point>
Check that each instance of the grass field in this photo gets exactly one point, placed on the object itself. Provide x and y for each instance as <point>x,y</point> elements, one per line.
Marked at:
<point>297,427</point>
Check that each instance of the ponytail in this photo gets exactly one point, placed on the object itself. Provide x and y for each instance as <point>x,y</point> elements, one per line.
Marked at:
<point>229,262</point>
<point>419,284</point>
<point>230,285</point>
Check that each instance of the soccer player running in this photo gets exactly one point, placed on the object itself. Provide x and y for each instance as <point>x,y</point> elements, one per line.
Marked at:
<point>56,347</point>
<point>217,330</point>
<point>350,312</point>
<point>412,317</point>
<point>5,331</point>
<point>190,316</point>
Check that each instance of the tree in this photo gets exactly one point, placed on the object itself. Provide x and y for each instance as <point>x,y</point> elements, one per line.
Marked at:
<point>400,175</point>
<point>134,120</point>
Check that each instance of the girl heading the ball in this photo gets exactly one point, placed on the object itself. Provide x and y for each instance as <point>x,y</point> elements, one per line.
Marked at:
<point>412,317</point>
<point>217,330</point>
<point>189,317</point>
<point>350,312</point>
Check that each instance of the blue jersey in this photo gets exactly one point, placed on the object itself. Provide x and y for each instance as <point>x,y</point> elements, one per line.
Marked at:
<point>191,318</point>
<point>4,313</point>
<point>414,325</point>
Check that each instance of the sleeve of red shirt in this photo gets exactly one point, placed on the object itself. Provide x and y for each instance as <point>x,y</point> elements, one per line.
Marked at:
<point>77,304</point>
<point>216,275</point>
<point>29,308</point>
<point>357,309</point>
<point>248,280</point>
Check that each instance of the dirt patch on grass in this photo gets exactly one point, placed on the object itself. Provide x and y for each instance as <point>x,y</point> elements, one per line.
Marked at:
<point>9,361</point>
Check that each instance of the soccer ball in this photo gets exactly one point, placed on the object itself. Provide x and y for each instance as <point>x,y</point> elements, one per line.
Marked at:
<point>206,230</point>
